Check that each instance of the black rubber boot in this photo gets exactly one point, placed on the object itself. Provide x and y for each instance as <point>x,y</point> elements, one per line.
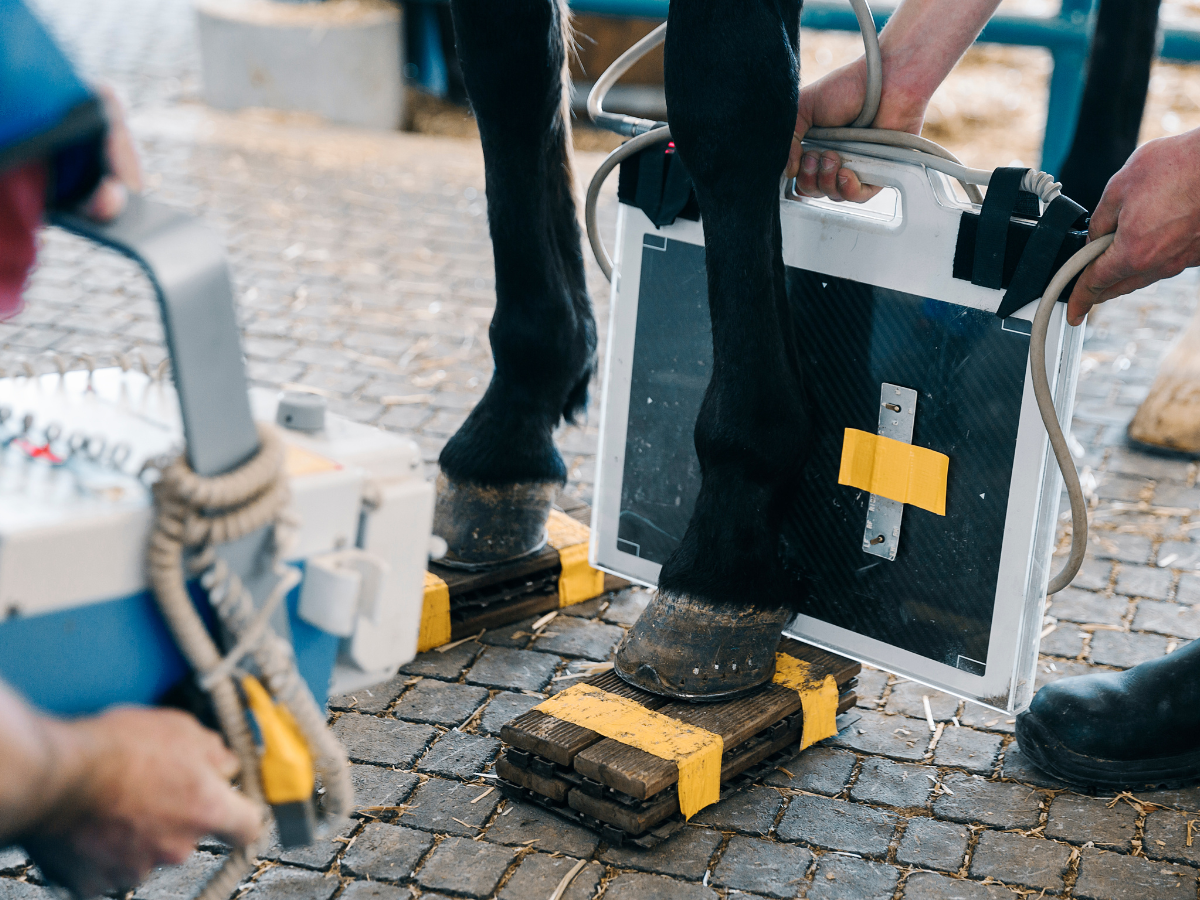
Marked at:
<point>1117,731</point>
<point>692,649</point>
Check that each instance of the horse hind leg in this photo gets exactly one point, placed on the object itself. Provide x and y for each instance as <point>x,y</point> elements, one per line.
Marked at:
<point>732,86</point>
<point>501,471</point>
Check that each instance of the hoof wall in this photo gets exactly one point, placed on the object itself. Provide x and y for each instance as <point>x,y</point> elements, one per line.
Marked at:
<point>486,526</point>
<point>687,648</point>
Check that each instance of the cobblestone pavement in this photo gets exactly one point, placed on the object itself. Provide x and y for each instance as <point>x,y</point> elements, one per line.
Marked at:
<point>364,272</point>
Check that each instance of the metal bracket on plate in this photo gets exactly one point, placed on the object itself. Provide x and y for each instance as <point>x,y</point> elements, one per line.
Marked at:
<point>897,412</point>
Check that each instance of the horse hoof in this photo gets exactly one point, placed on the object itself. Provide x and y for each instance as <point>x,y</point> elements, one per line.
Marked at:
<point>485,525</point>
<point>688,648</point>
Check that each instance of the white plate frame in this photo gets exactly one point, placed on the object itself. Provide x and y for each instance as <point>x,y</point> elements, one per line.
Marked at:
<point>908,234</point>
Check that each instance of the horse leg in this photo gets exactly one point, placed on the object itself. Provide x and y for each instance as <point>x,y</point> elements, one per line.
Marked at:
<point>732,86</point>
<point>501,471</point>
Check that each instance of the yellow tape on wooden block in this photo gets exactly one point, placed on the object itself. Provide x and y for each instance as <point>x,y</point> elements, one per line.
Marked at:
<point>578,581</point>
<point>697,752</point>
<point>894,469</point>
<point>818,698</point>
<point>435,614</point>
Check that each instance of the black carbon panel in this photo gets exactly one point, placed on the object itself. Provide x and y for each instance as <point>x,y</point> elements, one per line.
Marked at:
<point>936,599</point>
<point>671,363</point>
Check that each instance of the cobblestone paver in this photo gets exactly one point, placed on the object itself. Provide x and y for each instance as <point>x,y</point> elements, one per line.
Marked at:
<point>364,272</point>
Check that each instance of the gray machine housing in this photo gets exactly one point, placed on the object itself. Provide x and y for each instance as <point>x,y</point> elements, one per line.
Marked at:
<point>954,602</point>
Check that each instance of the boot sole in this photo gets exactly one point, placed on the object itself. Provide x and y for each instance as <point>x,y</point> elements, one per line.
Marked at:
<point>1091,774</point>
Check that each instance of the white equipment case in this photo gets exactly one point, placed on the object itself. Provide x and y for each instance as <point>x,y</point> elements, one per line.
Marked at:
<point>79,628</point>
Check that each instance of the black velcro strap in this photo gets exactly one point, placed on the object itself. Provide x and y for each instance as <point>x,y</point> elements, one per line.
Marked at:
<point>992,233</point>
<point>664,188</point>
<point>676,191</point>
<point>650,175</point>
<point>1034,270</point>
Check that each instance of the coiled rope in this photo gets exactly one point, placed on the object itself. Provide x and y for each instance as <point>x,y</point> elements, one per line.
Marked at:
<point>193,516</point>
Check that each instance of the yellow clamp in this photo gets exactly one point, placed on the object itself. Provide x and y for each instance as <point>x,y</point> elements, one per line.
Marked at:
<point>286,764</point>
<point>894,469</point>
<point>577,581</point>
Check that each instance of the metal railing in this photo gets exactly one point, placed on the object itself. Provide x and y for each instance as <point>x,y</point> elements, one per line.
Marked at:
<point>1067,36</point>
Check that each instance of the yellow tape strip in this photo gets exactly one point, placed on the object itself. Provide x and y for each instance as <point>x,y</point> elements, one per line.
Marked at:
<point>894,469</point>
<point>435,614</point>
<point>578,581</point>
<point>697,752</point>
<point>818,699</point>
<point>286,764</point>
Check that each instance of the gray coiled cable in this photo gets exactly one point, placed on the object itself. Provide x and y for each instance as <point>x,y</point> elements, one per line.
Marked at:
<point>898,146</point>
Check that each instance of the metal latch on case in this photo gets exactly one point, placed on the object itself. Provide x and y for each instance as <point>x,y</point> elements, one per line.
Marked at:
<point>339,588</point>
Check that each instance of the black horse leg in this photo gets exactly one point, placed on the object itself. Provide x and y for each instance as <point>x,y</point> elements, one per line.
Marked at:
<point>501,471</point>
<point>732,84</point>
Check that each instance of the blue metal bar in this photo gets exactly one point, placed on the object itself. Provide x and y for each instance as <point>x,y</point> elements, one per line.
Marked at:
<point>1070,32</point>
<point>430,61</point>
<point>1066,84</point>
<point>1180,45</point>
<point>835,15</point>
<point>1067,36</point>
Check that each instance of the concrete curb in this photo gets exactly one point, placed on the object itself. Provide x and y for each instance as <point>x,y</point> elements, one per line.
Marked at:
<point>342,60</point>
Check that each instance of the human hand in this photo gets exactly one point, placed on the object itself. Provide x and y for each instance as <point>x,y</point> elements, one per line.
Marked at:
<point>833,101</point>
<point>1153,205</point>
<point>124,169</point>
<point>133,789</point>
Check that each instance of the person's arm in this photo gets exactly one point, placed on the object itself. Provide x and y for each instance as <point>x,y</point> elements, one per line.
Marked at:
<point>1153,205</point>
<point>922,42</point>
<point>99,802</point>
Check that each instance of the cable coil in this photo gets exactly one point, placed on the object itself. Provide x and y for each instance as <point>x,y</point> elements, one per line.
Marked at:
<point>193,515</point>
<point>897,146</point>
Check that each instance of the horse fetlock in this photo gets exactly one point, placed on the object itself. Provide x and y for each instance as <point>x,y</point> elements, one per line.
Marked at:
<point>489,525</point>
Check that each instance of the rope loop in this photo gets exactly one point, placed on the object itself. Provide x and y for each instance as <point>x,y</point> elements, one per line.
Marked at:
<point>193,516</point>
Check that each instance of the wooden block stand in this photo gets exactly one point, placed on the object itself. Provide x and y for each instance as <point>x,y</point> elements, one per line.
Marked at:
<point>628,795</point>
<point>507,594</point>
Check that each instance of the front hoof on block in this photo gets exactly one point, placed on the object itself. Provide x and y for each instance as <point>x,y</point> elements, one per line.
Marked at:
<point>688,648</point>
<point>486,526</point>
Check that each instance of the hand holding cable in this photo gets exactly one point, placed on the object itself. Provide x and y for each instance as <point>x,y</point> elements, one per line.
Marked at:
<point>1152,208</point>
<point>888,88</point>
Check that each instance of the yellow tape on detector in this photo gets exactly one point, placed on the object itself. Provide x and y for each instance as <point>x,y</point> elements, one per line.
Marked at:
<point>695,751</point>
<point>894,469</point>
<point>818,698</point>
